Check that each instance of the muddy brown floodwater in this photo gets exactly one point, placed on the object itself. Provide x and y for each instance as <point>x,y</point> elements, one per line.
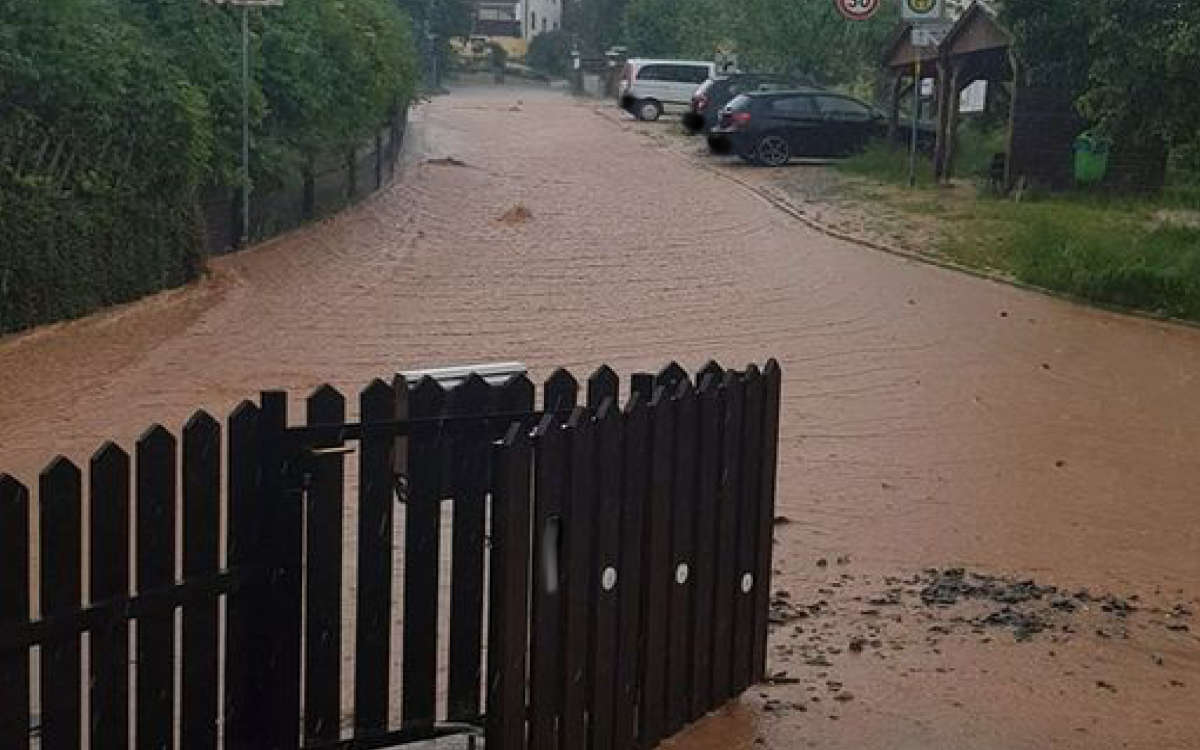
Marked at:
<point>930,419</point>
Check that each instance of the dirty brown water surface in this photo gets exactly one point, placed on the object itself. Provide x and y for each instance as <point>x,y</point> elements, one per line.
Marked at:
<point>932,421</point>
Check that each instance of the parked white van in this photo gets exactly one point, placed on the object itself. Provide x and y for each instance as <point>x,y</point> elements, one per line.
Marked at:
<point>647,86</point>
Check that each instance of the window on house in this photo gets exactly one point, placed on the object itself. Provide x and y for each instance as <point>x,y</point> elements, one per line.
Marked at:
<point>543,24</point>
<point>532,21</point>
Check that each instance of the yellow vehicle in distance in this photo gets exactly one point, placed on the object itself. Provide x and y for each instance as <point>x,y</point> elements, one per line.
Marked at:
<point>478,47</point>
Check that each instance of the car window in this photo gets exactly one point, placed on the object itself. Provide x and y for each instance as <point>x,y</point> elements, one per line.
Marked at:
<point>690,73</point>
<point>653,73</point>
<point>794,105</point>
<point>843,109</point>
<point>741,101</point>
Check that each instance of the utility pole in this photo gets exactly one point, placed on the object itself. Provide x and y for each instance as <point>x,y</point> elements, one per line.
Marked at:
<point>245,125</point>
<point>912,148</point>
<point>928,26</point>
<point>245,6</point>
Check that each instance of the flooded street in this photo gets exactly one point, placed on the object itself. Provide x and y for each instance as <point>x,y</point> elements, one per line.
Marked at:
<point>930,419</point>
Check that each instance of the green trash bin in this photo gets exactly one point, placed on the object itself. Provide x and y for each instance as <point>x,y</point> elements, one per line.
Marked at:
<point>1091,159</point>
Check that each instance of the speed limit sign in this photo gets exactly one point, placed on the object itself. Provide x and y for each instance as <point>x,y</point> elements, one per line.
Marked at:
<point>857,10</point>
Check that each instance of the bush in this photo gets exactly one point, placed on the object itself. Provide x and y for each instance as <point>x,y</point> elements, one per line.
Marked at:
<point>117,113</point>
<point>105,144</point>
<point>978,142</point>
<point>550,53</point>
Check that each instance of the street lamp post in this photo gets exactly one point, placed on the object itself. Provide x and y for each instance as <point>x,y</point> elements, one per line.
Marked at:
<point>245,6</point>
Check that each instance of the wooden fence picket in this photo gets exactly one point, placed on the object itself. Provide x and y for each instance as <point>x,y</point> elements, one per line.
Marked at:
<point>545,648</point>
<point>601,384</point>
<point>14,612</point>
<point>468,484</point>
<point>728,579</point>
<point>108,482</point>
<point>681,619</point>
<point>421,557</point>
<point>323,593</point>
<point>59,501</point>
<point>372,642</point>
<point>605,572</point>
<point>560,394</point>
<point>769,454</point>
<point>280,615</point>
<point>707,541</point>
<point>155,482</point>
<point>201,538</point>
<point>509,597</point>
<point>580,528</point>
<point>747,525</point>
<point>635,486</point>
<point>657,573</point>
<point>243,691</point>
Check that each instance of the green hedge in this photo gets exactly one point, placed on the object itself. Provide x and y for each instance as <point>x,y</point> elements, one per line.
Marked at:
<point>114,114</point>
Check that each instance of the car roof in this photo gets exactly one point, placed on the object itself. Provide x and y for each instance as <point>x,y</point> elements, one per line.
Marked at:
<point>745,74</point>
<point>792,92</point>
<point>655,61</point>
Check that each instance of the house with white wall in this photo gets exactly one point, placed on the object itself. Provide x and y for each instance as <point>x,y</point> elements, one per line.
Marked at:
<point>540,16</point>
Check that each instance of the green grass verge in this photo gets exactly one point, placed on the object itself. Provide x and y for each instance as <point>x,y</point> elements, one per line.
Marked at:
<point>887,163</point>
<point>1112,250</point>
<point>1107,251</point>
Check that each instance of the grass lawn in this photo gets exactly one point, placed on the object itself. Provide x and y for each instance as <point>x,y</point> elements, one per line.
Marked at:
<point>1141,253</point>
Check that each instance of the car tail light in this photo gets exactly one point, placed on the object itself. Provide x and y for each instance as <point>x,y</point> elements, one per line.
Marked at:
<point>701,102</point>
<point>739,119</point>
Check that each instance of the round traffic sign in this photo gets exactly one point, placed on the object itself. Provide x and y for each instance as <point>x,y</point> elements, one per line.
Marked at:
<point>857,10</point>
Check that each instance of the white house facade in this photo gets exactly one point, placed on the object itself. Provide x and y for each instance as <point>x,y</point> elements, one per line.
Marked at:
<point>539,16</point>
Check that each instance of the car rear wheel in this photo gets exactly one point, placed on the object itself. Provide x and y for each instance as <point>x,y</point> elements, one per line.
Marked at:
<point>772,151</point>
<point>648,110</point>
<point>718,144</point>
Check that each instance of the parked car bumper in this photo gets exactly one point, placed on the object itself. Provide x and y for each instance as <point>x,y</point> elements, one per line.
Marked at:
<point>722,141</point>
<point>699,122</point>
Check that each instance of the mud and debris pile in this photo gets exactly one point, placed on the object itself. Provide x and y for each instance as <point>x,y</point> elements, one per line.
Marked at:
<point>518,214</point>
<point>910,619</point>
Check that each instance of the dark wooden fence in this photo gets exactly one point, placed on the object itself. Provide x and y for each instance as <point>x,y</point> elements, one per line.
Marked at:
<point>628,555</point>
<point>334,181</point>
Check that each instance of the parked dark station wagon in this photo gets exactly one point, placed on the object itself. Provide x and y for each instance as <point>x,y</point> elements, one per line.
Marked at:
<point>772,127</point>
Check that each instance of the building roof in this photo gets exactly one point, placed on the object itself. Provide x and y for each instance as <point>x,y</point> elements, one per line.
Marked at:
<point>976,29</point>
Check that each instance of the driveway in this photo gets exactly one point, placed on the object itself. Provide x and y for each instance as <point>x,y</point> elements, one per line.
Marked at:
<point>930,419</point>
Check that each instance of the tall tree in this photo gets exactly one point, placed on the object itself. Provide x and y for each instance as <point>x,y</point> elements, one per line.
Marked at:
<point>804,37</point>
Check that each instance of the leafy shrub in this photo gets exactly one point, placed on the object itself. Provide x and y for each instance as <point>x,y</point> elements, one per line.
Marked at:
<point>116,114</point>
<point>550,52</point>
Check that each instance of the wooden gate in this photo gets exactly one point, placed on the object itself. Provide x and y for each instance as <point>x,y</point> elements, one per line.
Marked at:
<point>627,552</point>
